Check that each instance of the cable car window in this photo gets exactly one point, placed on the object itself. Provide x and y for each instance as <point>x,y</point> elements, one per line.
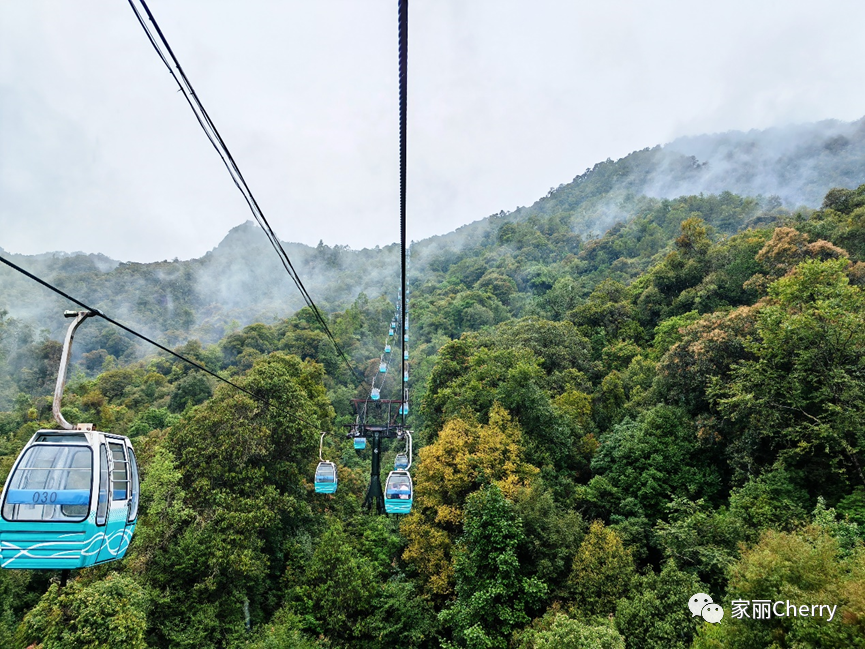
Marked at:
<point>102,503</point>
<point>120,476</point>
<point>324,472</point>
<point>62,439</point>
<point>51,483</point>
<point>133,502</point>
<point>399,486</point>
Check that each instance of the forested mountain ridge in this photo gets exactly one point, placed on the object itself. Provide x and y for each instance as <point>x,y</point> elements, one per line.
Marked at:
<point>241,281</point>
<point>604,426</point>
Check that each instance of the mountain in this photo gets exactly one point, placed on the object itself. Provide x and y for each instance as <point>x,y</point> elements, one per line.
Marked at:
<point>241,280</point>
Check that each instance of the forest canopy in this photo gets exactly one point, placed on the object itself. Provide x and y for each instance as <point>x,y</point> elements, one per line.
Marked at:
<point>603,427</point>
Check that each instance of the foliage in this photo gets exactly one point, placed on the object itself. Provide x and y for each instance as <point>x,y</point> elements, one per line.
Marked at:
<point>656,615</point>
<point>602,571</point>
<point>690,381</point>
<point>110,612</point>
<point>493,596</point>
<point>804,568</point>
<point>465,457</point>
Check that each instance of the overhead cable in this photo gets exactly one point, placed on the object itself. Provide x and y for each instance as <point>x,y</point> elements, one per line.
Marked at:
<point>166,54</point>
<point>403,114</point>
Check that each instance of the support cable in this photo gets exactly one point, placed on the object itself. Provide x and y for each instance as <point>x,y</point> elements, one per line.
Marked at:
<point>166,54</point>
<point>403,106</point>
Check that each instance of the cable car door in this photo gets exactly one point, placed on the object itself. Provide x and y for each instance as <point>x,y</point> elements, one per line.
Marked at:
<point>116,539</point>
<point>134,492</point>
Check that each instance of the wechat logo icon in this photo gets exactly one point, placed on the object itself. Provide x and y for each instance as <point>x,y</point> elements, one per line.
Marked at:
<point>701,604</point>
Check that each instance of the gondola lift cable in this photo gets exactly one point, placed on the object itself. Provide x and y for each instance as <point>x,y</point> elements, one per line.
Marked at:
<point>166,54</point>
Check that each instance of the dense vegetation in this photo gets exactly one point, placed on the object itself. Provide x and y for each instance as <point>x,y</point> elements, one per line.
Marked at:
<point>605,427</point>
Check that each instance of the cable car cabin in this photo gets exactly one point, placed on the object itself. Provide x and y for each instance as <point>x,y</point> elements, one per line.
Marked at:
<point>359,443</point>
<point>398,493</point>
<point>387,349</point>
<point>405,377</point>
<point>390,333</point>
<point>325,478</point>
<point>70,501</point>
<point>400,462</point>
<point>382,367</point>
<point>375,394</point>
<point>403,409</point>
<point>405,355</point>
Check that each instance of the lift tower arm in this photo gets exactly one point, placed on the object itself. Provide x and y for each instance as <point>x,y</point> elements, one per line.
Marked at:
<point>80,316</point>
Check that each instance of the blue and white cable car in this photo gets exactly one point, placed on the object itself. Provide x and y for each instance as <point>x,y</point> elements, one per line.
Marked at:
<point>398,493</point>
<point>325,473</point>
<point>71,499</point>
<point>399,490</point>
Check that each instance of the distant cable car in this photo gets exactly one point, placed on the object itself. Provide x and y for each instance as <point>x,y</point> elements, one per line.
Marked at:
<point>405,355</point>
<point>387,349</point>
<point>325,473</point>
<point>382,367</point>
<point>398,493</point>
<point>390,333</point>
<point>71,499</point>
<point>375,394</point>
<point>359,443</point>
<point>400,462</point>
<point>405,338</point>
<point>405,377</point>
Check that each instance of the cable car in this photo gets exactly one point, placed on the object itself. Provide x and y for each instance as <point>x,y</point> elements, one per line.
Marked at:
<point>382,367</point>
<point>71,499</point>
<point>387,349</point>
<point>359,443</point>
<point>325,478</point>
<point>400,462</point>
<point>390,333</point>
<point>325,473</point>
<point>398,493</point>
<point>375,394</point>
<point>405,338</point>
<point>405,355</point>
<point>405,377</point>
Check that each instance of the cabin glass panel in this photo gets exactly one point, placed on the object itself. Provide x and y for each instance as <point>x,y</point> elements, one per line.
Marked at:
<point>102,504</point>
<point>51,483</point>
<point>120,474</point>
<point>133,501</point>
<point>399,486</point>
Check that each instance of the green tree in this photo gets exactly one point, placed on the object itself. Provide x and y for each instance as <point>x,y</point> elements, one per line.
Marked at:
<point>494,597</point>
<point>802,397</point>
<point>221,500</point>
<point>602,571</point>
<point>107,613</point>
<point>656,616</point>
<point>566,633</point>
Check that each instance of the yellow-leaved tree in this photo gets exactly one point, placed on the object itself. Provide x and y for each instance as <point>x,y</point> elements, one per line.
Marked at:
<point>466,456</point>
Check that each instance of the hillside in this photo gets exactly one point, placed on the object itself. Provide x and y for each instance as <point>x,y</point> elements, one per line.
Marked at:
<point>241,281</point>
<point>603,426</point>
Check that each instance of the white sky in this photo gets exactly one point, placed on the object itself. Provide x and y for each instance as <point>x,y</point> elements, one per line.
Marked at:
<point>100,153</point>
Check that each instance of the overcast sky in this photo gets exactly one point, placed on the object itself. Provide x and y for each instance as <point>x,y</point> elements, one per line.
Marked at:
<point>100,153</point>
